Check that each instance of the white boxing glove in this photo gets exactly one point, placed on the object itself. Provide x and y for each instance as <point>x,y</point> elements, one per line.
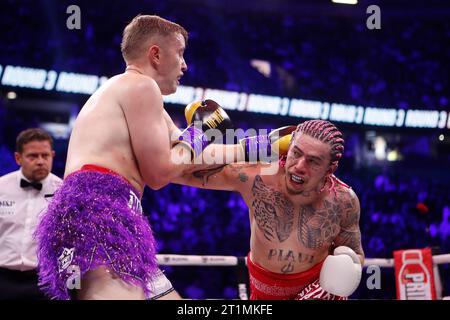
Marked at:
<point>341,273</point>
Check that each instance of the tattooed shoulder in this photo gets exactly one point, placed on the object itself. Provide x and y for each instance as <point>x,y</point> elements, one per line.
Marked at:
<point>349,203</point>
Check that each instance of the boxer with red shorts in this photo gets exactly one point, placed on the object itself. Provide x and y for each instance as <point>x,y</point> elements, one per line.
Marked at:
<point>305,239</point>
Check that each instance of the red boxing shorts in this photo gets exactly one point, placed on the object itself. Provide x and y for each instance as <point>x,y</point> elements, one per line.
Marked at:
<point>267,285</point>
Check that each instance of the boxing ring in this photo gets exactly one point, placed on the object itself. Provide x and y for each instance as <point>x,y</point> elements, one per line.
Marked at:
<point>240,262</point>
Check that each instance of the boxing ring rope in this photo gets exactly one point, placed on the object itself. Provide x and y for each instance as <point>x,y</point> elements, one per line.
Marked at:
<point>229,261</point>
<point>233,261</point>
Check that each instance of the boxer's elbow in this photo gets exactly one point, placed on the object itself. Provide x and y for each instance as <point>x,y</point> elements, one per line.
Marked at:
<point>156,178</point>
<point>156,185</point>
<point>157,181</point>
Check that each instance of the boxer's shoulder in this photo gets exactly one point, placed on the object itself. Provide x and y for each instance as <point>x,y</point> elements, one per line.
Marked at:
<point>129,86</point>
<point>344,195</point>
<point>348,203</point>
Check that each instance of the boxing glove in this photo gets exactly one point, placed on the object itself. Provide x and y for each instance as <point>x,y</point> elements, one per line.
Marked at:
<point>201,118</point>
<point>276,142</point>
<point>341,273</point>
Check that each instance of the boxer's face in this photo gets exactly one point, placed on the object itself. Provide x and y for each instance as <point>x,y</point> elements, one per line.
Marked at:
<point>36,159</point>
<point>172,64</point>
<point>307,164</point>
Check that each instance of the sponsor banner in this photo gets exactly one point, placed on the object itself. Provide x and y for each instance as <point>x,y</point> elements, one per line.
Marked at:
<point>414,274</point>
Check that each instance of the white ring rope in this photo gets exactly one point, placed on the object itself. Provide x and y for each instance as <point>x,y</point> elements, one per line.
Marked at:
<point>185,260</point>
<point>222,261</point>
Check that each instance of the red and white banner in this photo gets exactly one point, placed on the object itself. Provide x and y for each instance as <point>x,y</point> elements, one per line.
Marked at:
<point>414,274</point>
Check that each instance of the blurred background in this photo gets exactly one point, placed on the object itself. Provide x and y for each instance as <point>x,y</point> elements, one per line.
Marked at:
<point>269,63</point>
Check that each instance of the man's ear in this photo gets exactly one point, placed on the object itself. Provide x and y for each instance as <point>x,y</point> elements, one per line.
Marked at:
<point>154,55</point>
<point>332,168</point>
<point>18,158</point>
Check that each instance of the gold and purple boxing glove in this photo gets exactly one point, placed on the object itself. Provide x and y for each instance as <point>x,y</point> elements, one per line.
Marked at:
<point>206,120</point>
<point>263,147</point>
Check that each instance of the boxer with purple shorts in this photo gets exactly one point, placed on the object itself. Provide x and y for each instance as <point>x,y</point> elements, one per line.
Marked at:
<point>93,241</point>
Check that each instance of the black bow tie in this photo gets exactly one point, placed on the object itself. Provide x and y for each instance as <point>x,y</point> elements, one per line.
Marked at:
<point>25,184</point>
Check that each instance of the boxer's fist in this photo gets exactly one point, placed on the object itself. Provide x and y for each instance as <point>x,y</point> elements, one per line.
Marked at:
<point>341,273</point>
<point>205,119</point>
<point>209,113</point>
<point>276,142</point>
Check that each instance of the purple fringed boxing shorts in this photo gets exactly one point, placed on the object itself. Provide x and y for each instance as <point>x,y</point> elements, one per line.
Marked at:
<point>94,219</point>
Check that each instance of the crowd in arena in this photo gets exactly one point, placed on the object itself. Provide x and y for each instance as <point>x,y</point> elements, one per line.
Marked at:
<point>328,58</point>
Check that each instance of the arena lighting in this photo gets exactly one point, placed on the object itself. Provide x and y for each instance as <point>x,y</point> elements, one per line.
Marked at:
<point>441,137</point>
<point>11,95</point>
<point>86,84</point>
<point>380,148</point>
<point>392,155</point>
<point>345,1</point>
<point>262,66</point>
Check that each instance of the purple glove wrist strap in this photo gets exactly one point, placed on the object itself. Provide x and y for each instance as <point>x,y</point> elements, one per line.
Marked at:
<point>196,139</point>
<point>256,146</point>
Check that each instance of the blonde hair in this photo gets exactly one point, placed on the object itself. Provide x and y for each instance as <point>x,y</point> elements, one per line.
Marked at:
<point>143,27</point>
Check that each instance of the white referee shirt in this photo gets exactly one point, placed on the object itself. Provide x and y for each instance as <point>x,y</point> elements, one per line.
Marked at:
<point>20,209</point>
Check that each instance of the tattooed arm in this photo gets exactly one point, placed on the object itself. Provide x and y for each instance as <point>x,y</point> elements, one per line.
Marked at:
<point>231,177</point>
<point>350,234</point>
